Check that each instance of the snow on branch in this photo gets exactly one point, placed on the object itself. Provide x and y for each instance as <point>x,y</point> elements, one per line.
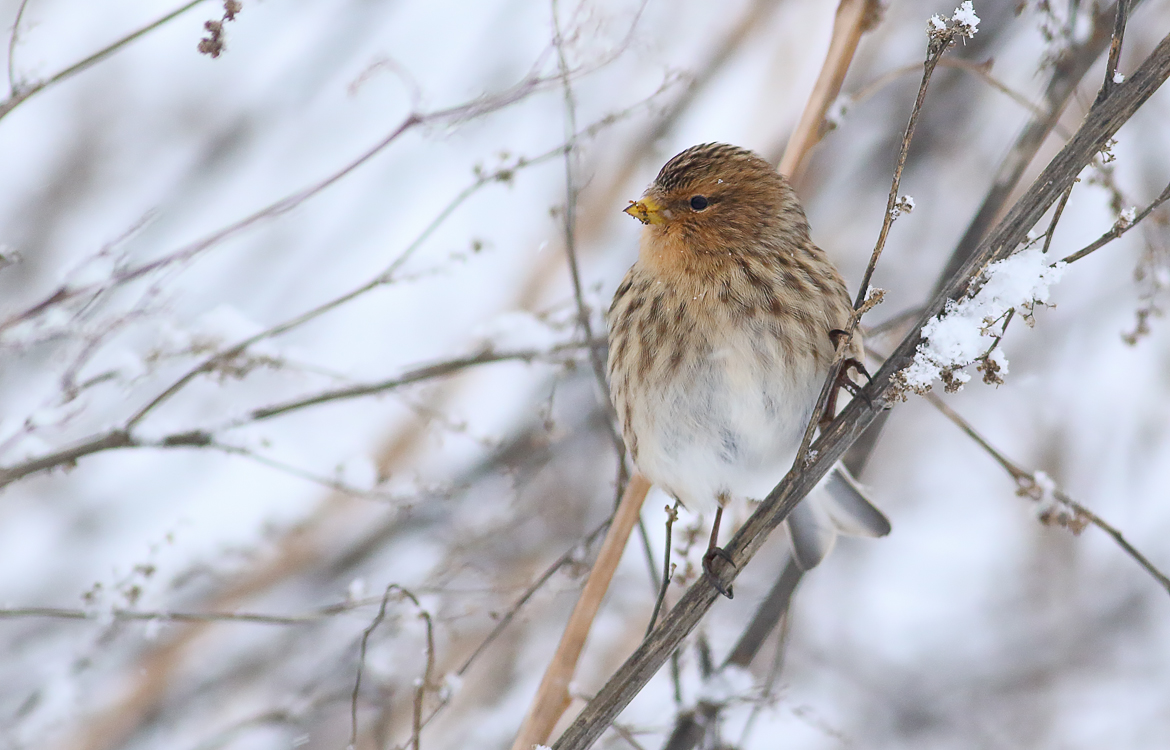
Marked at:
<point>962,23</point>
<point>968,330</point>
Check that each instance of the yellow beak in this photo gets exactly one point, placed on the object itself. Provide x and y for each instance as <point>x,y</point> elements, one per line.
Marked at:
<point>647,211</point>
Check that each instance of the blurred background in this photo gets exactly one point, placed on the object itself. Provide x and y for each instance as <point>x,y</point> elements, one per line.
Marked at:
<point>418,407</point>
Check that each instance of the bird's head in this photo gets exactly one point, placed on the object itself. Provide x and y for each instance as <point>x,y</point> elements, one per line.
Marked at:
<point>717,198</point>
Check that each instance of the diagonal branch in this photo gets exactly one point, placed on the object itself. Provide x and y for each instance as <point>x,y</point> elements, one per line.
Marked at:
<point>1119,228</point>
<point>21,93</point>
<point>854,18</point>
<point>1029,486</point>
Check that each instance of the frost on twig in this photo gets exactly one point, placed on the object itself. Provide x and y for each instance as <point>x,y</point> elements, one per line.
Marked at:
<point>1053,509</point>
<point>963,23</point>
<point>904,205</point>
<point>968,330</point>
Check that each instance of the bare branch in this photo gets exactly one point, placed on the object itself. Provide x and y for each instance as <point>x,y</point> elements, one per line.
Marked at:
<point>536,585</point>
<point>455,114</point>
<point>1119,228</point>
<point>552,697</point>
<point>1028,486</point>
<point>134,615</point>
<point>982,71</point>
<point>12,84</point>
<point>671,517</point>
<point>1120,18</point>
<point>122,438</point>
<point>416,375</point>
<point>937,46</point>
<point>428,676</point>
<point>21,93</point>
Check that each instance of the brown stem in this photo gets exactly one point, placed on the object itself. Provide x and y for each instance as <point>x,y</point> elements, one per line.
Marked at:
<point>552,697</point>
<point>854,18</point>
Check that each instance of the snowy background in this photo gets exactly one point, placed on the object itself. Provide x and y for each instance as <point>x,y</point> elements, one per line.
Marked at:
<point>971,625</point>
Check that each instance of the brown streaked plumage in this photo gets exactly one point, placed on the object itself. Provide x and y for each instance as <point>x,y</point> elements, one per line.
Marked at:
<point>720,341</point>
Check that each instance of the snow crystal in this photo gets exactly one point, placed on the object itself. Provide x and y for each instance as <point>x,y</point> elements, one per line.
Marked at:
<point>1126,218</point>
<point>965,19</point>
<point>960,334</point>
<point>1118,77</point>
<point>962,23</point>
<point>452,683</point>
<point>836,112</point>
<point>1044,482</point>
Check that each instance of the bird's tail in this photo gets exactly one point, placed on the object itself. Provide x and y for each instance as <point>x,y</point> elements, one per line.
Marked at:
<point>837,505</point>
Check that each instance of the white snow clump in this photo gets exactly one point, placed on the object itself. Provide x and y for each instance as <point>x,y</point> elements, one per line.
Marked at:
<point>963,22</point>
<point>965,19</point>
<point>960,335</point>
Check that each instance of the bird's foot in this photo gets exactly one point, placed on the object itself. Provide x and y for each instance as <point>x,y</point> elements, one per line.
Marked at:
<point>709,558</point>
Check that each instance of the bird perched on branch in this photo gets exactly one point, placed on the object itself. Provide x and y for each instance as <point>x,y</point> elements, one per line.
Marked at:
<point>721,337</point>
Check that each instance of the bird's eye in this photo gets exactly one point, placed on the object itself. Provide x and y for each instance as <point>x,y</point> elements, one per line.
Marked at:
<point>699,202</point>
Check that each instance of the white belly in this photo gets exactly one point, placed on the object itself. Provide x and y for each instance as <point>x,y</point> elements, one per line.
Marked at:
<point>725,425</point>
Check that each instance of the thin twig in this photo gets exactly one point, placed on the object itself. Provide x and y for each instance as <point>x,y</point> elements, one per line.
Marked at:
<point>424,684</point>
<point>1055,220</point>
<point>1027,484</point>
<point>626,735</point>
<point>506,619</point>
<point>12,86</point>
<point>21,94</point>
<point>938,45</point>
<point>570,212</point>
<point>458,113</point>
<point>65,613</point>
<point>1120,18</point>
<point>980,70</point>
<point>1118,229</point>
<point>671,516</point>
<point>120,438</point>
<point>427,372</point>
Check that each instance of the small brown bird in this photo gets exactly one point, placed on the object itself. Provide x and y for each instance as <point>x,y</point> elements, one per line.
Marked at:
<point>720,338</point>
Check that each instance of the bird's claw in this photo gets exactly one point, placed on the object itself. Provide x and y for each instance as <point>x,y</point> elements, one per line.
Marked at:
<point>716,579</point>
